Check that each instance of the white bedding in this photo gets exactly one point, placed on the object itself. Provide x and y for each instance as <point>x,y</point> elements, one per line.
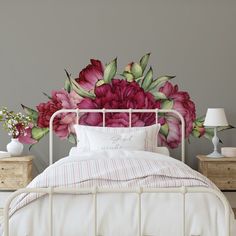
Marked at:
<point>117,213</point>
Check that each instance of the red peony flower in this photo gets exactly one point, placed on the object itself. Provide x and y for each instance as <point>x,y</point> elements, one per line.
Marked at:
<point>45,111</point>
<point>183,104</point>
<point>90,75</point>
<point>117,95</point>
<point>62,123</point>
<point>121,94</point>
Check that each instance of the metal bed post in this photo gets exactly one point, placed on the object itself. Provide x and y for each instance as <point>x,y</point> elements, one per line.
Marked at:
<point>103,117</point>
<point>183,191</point>
<point>94,192</point>
<point>156,115</point>
<point>50,208</point>
<point>140,191</point>
<point>77,116</point>
<point>130,117</point>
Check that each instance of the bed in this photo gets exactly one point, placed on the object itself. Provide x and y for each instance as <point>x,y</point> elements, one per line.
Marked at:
<point>126,188</point>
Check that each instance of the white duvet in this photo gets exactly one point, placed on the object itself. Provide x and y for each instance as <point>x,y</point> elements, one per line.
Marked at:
<point>118,213</point>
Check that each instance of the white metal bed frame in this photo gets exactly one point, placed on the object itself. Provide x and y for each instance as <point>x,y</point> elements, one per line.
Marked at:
<point>95,191</point>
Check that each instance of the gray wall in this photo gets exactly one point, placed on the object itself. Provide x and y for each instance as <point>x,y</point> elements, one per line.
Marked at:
<point>194,40</point>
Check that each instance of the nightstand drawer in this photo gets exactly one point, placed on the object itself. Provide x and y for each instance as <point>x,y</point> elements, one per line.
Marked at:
<point>221,169</point>
<point>224,183</point>
<point>15,172</point>
<point>12,183</point>
<point>7,169</point>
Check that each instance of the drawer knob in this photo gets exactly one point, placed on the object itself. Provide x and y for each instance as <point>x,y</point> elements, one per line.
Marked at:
<point>2,182</point>
<point>2,168</point>
<point>228,182</point>
<point>228,168</point>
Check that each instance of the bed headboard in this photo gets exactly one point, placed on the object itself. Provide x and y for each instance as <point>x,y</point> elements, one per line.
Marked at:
<point>104,111</point>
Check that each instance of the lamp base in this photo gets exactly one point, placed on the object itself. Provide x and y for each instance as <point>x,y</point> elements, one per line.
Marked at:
<point>215,154</point>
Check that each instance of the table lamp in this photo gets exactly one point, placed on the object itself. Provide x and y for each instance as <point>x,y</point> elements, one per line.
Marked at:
<point>215,117</point>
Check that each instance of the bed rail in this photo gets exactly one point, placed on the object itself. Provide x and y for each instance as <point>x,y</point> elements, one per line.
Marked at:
<point>104,111</point>
<point>95,191</point>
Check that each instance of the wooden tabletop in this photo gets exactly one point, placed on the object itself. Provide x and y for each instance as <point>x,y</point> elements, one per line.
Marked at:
<point>15,159</point>
<point>205,158</point>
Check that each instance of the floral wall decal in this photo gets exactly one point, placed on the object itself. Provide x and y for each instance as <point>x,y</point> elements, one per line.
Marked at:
<point>100,86</point>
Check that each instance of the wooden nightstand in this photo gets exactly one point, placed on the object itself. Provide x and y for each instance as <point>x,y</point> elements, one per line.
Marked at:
<point>221,171</point>
<point>15,172</point>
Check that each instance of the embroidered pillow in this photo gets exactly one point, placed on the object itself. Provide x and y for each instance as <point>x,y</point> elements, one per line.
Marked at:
<point>107,141</point>
<point>83,142</point>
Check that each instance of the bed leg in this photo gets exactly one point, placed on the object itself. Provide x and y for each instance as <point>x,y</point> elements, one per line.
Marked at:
<point>184,191</point>
<point>95,210</point>
<point>140,191</point>
<point>50,217</point>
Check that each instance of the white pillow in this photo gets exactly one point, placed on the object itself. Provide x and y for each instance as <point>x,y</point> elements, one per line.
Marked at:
<point>135,140</point>
<point>85,136</point>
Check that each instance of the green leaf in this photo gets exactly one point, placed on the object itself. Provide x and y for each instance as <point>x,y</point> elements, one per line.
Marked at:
<point>144,61</point>
<point>160,80</point>
<point>136,70</point>
<point>110,71</point>
<point>164,129</point>
<point>72,138</point>
<point>167,104</point>
<point>225,128</point>
<point>159,95</point>
<point>30,112</point>
<point>30,147</point>
<point>100,82</point>
<point>139,80</point>
<point>128,76</point>
<point>195,133</point>
<point>38,133</point>
<point>68,74</point>
<point>67,84</point>
<point>147,79</point>
<point>79,90</point>
<point>49,97</point>
<point>200,119</point>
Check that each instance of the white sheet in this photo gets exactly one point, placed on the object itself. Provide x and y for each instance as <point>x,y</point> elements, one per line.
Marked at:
<point>118,214</point>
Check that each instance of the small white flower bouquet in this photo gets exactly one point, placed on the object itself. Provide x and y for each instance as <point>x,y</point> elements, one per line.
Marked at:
<point>16,124</point>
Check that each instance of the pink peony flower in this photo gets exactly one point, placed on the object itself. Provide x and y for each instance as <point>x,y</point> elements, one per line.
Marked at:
<point>117,95</point>
<point>63,123</point>
<point>26,137</point>
<point>183,104</point>
<point>90,75</point>
<point>173,138</point>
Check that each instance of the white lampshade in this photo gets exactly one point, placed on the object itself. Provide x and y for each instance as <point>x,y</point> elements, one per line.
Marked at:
<point>215,117</point>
